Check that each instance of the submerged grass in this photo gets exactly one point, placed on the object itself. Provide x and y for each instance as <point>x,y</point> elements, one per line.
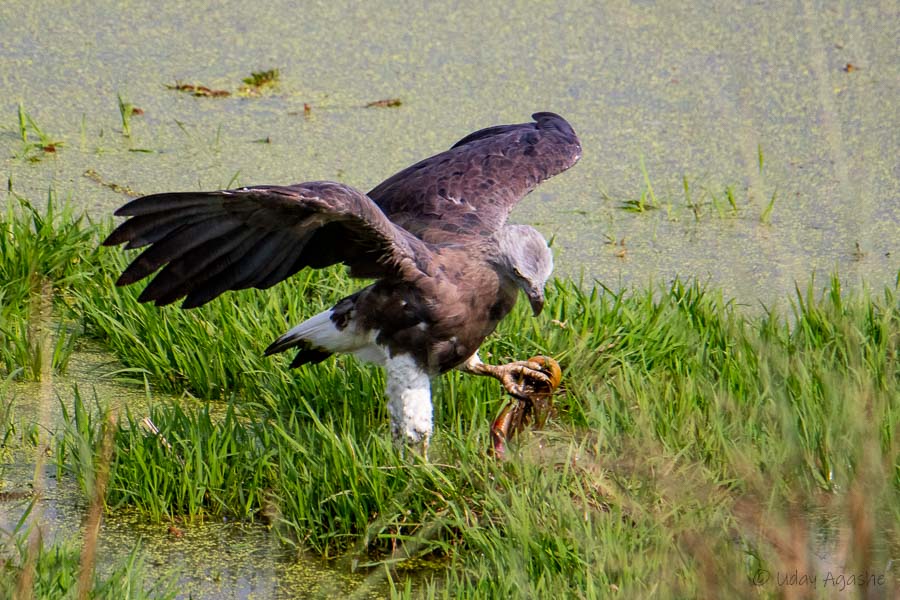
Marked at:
<point>35,142</point>
<point>698,450</point>
<point>53,570</point>
<point>702,200</point>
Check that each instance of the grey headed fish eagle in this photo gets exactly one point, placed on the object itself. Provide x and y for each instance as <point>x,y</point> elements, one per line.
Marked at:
<point>447,267</point>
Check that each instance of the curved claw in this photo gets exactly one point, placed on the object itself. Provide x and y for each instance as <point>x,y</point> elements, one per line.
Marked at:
<point>531,383</point>
<point>515,379</point>
<point>539,375</point>
<point>550,368</point>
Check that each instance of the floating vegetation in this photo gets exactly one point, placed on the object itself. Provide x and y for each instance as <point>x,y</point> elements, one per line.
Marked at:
<point>307,111</point>
<point>261,79</point>
<point>198,90</point>
<point>386,103</point>
<point>253,85</point>
<point>647,200</point>
<point>119,189</point>
<point>619,249</point>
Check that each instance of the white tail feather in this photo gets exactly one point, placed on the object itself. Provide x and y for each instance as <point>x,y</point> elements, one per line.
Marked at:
<point>320,332</point>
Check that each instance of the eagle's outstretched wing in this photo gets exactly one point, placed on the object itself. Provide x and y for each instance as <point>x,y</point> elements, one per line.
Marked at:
<point>258,236</point>
<point>470,188</point>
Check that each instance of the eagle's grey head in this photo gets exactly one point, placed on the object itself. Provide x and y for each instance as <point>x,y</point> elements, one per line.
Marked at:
<point>524,259</point>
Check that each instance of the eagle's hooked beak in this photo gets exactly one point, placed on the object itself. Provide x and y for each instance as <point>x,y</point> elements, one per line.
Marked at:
<point>536,298</point>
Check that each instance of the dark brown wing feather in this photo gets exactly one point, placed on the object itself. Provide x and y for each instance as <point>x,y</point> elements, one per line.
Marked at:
<point>470,189</point>
<point>211,242</point>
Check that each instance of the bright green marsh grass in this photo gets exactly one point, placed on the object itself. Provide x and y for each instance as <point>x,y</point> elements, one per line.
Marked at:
<point>42,258</point>
<point>698,445</point>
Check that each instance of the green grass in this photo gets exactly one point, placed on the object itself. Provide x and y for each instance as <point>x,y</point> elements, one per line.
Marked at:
<point>126,111</point>
<point>258,79</point>
<point>35,142</point>
<point>702,200</point>
<point>696,446</point>
<point>44,255</point>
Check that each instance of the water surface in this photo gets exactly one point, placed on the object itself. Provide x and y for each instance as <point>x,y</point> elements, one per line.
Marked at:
<point>695,90</point>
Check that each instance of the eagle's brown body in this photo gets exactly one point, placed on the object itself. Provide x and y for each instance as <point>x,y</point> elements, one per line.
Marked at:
<point>440,336</point>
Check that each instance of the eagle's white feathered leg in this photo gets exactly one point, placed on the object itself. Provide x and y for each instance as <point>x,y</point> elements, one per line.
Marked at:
<point>408,385</point>
<point>409,401</point>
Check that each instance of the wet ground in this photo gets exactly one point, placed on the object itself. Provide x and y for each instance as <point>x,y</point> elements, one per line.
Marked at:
<point>796,101</point>
<point>213,559</point>
<point>216,558</point>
